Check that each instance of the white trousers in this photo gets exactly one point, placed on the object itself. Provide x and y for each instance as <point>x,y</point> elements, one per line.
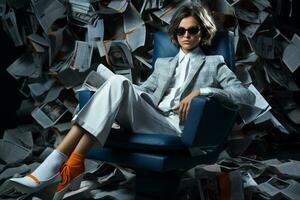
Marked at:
<point>118,100</point>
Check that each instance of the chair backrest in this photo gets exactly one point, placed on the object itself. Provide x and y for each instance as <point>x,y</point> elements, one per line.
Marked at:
<point>222,44</point>
<point>206,125</point>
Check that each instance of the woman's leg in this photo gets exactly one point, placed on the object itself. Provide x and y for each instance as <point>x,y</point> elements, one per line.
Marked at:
<point>77,138</point>
<point>119,100</point>
<point>48,170</point>
<point>72,170</point>
<point>86,141</point>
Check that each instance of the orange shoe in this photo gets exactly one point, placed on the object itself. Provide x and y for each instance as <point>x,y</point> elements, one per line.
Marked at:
<point>71,175</point>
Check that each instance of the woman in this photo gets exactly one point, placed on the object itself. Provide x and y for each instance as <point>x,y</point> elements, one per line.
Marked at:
<point>169,92</point>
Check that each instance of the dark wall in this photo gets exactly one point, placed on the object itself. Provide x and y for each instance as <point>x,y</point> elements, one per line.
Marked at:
<point>10,97</point>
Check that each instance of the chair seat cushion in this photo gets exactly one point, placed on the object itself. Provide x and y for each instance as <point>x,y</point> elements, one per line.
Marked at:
<point>144,142</point>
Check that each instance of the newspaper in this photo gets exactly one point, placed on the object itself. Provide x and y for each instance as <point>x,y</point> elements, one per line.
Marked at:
<point>20,137</point>
<point>48,114</point>
<point>165,14</point>
<point>120,56</point>
<point>70,77</point>
<point>131,19</point>
<point>33,23</point>
<point>290,55</point>
<point>95,79</point>
<point>261,4</point>
<point>96,33</point>
<point>221,8</point>
<point>55,66</point>
<point>25,108</point>
<point>12,153</point>
<point>38,89</point>
<point>260,107</point>
<point>101,48</point>
<point>39,39</point>
<point>144,61</point>
<point>134,28</point>
<point>252,22</point>
<point>136,38</point>
<point>24,89</point>
<point>11,27</point>
<point>118,194</point>
<point>118,5</point>
<point>248,180</point>
<point>81,19</point>
<point>242,72</point>
<point>56,42</point>
<point>291,189</point>
<point>290,169</point>
<point>10,172</point>
<point>233,2</point>
<point>155,4</point>
<point>104,177</point>
<point>264,46</point>
<point>294,115</point>
<point>269,116</point>
<point>125,72</point>
<point>47,12</point>
<point>110,7</point>
<point>275,74</point>
<point>53,93</point>
<point>22,67</point>
<point>9,191</point>
<point>82,6</point>
<point>82,56</point>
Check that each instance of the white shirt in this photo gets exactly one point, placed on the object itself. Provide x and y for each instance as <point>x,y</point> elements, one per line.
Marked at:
<point>173,93</point>
<point>172,98</point>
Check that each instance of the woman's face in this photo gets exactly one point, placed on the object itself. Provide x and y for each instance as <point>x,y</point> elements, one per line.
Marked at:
<point>188,34</point>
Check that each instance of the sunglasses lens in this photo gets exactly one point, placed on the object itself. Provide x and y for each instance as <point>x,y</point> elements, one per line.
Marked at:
<point>180,31</point>
<point>192,31</point>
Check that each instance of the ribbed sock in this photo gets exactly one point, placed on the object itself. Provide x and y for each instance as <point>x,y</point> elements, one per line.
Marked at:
<point>72,168</point>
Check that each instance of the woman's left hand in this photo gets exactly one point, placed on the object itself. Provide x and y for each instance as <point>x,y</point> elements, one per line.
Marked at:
<point>184,106</point>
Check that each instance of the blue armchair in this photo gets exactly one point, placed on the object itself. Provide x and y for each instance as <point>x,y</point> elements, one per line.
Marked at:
<point>158,159</point>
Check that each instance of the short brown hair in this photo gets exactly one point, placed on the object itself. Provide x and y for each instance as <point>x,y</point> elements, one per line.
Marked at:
<point>203,17</point>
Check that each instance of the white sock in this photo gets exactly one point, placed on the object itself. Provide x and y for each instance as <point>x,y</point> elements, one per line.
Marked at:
<point>47,169</point>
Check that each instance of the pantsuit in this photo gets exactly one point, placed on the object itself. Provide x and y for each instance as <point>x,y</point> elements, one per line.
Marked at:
<point>118,99</point>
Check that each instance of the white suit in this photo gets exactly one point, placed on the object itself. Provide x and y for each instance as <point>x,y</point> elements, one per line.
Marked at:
<point>119,99</point>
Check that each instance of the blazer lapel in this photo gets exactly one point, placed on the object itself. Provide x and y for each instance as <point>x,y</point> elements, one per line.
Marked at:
<point>172,65</point>
<point>195,66</point>
<point>163,85</point>
<point>171,68</point>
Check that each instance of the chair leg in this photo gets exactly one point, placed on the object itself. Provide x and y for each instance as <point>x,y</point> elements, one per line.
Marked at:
<point>155,185</point>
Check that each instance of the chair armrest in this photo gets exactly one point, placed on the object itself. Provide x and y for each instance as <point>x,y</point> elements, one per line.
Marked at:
<point>84,97</point>
<point>208,123</point>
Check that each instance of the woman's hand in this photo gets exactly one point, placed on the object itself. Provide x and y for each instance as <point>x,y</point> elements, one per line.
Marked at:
<point>184,106</point>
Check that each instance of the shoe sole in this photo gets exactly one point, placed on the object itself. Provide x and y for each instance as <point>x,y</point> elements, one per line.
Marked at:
<point>29,190</point>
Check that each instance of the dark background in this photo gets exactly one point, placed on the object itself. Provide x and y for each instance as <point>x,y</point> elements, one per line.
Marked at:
<point>10,97</point>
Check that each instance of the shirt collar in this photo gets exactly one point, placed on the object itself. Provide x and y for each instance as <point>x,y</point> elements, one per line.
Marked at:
<point>191,54</point>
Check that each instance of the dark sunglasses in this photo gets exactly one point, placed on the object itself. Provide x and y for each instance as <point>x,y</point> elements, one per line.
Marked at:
<point>192,31</point>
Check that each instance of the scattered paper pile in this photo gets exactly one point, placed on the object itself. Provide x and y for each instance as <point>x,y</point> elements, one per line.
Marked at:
<point>66,41</point>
